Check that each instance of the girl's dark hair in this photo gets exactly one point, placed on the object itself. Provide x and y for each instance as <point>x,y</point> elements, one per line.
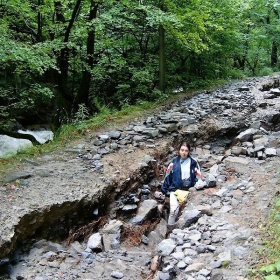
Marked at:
<point>184,143</point>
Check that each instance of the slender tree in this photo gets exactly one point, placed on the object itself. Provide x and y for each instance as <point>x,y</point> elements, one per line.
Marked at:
<point>82,96</point>
<point>162,68</point>
<point>65,97</point>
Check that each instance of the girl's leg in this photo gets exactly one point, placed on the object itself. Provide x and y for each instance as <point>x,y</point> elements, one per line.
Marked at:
<point>174,209</point>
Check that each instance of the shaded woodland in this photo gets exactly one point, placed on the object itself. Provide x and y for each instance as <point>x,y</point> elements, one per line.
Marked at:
<point>64,60</point>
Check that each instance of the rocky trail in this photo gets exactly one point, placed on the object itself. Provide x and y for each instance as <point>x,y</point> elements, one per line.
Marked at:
<point>92,211</point>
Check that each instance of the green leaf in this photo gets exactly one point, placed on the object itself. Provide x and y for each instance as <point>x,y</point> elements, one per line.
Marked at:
<point>277,203</point>
<point>268,268</point>
<point>272,277</point>
<point>277,264</point>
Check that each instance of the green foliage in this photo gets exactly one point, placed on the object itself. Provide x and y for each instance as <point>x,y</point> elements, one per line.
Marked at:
<point>271,268</point>
<point>265,71</point>
<point>271,271</point>
<point>82,113</point>
<point>43,45</point>
<point>272,277</point>
<point>25,60</point>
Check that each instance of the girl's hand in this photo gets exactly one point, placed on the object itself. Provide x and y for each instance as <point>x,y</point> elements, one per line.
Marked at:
<point>159,195</point>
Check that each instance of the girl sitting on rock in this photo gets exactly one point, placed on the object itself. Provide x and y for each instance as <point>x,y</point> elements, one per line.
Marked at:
<point>182,173</point>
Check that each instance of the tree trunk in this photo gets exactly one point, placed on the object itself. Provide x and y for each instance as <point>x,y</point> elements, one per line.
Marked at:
<point>161,55</point>
<point>64,96</point>
<point>83,92</point>
<point>274,56</point>
<point>39,24</point>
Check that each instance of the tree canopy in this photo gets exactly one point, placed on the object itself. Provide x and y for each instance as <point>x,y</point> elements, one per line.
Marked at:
<point>60,56</point>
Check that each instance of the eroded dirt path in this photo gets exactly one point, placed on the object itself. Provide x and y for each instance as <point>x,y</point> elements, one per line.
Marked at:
<point>47,195</point>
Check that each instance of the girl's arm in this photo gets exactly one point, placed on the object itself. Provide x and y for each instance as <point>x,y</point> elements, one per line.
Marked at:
<point>167,179</point>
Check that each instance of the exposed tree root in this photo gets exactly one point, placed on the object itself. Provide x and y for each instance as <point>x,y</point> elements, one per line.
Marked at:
<point>84,232</point>
<point>132,234</point>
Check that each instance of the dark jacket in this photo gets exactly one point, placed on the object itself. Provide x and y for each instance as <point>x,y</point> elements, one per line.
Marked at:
<point>173,177</point>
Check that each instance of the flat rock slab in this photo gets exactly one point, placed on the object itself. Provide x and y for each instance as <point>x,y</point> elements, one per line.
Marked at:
<point>238,163</point>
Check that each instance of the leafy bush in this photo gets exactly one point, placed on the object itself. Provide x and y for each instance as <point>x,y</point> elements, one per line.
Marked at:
<point>265,71</point>
<point>272,270</point>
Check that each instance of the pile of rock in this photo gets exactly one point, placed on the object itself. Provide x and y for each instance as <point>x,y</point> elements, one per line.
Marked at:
<point>256,143</point>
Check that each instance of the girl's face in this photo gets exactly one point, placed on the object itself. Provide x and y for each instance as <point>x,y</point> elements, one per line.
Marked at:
<point>184,152</point>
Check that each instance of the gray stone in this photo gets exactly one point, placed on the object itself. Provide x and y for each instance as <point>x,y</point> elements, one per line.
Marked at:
<point>225,209</point>
<point>147,208</point>
<point>161,228</point>
<point>114,134</point>
<point>188,260</point>
<point>200,185</point>
<point>204,272</point>
<point>210,181</point>
<point>205,209</point>
<point>103,151</point>
<point>260,155</point>
<point>35,163</point>
<point>111,241</point>
<point>113,226</point>
<point>43,172</point>
<point>247,135</point>
<point>181,265</point>
<point>195,236</point>
<point>269,96</point>
<point>170,127</point>
<point>16,176</point>
<point>251,152</point>
<point>117,275</point>
<point>262,141</point>
<point>239,250</point>
<point>76,246</point>
<point>257,124</point>
<point>145,240</point>
<point>95,242</point>
<point>163,275</point>
<point>214,170</point>
<point>222,192</point>
<point>178,255</point>
<point>103,137</point>
<point>139,138</point>
<point>49,254</point>
<point>270,152</point>
<point>275,91</point>
<point>217,275</point>
<point>190,253</point>
<point>225,257</point>
<point>195,267</point>
<point>139,128</point>
<point>129,207</point>
<point>188,218</point>
<point>243,88</point>
<point>152,132</point>
<point>154,238</point>
<point>166,247</point>
<point>113,146</point>
<point>238,163</point>
<point>238,160</point>
<point>259,148</point>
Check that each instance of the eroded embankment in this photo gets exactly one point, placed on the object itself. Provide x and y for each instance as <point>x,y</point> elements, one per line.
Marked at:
<point>57,214</point>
